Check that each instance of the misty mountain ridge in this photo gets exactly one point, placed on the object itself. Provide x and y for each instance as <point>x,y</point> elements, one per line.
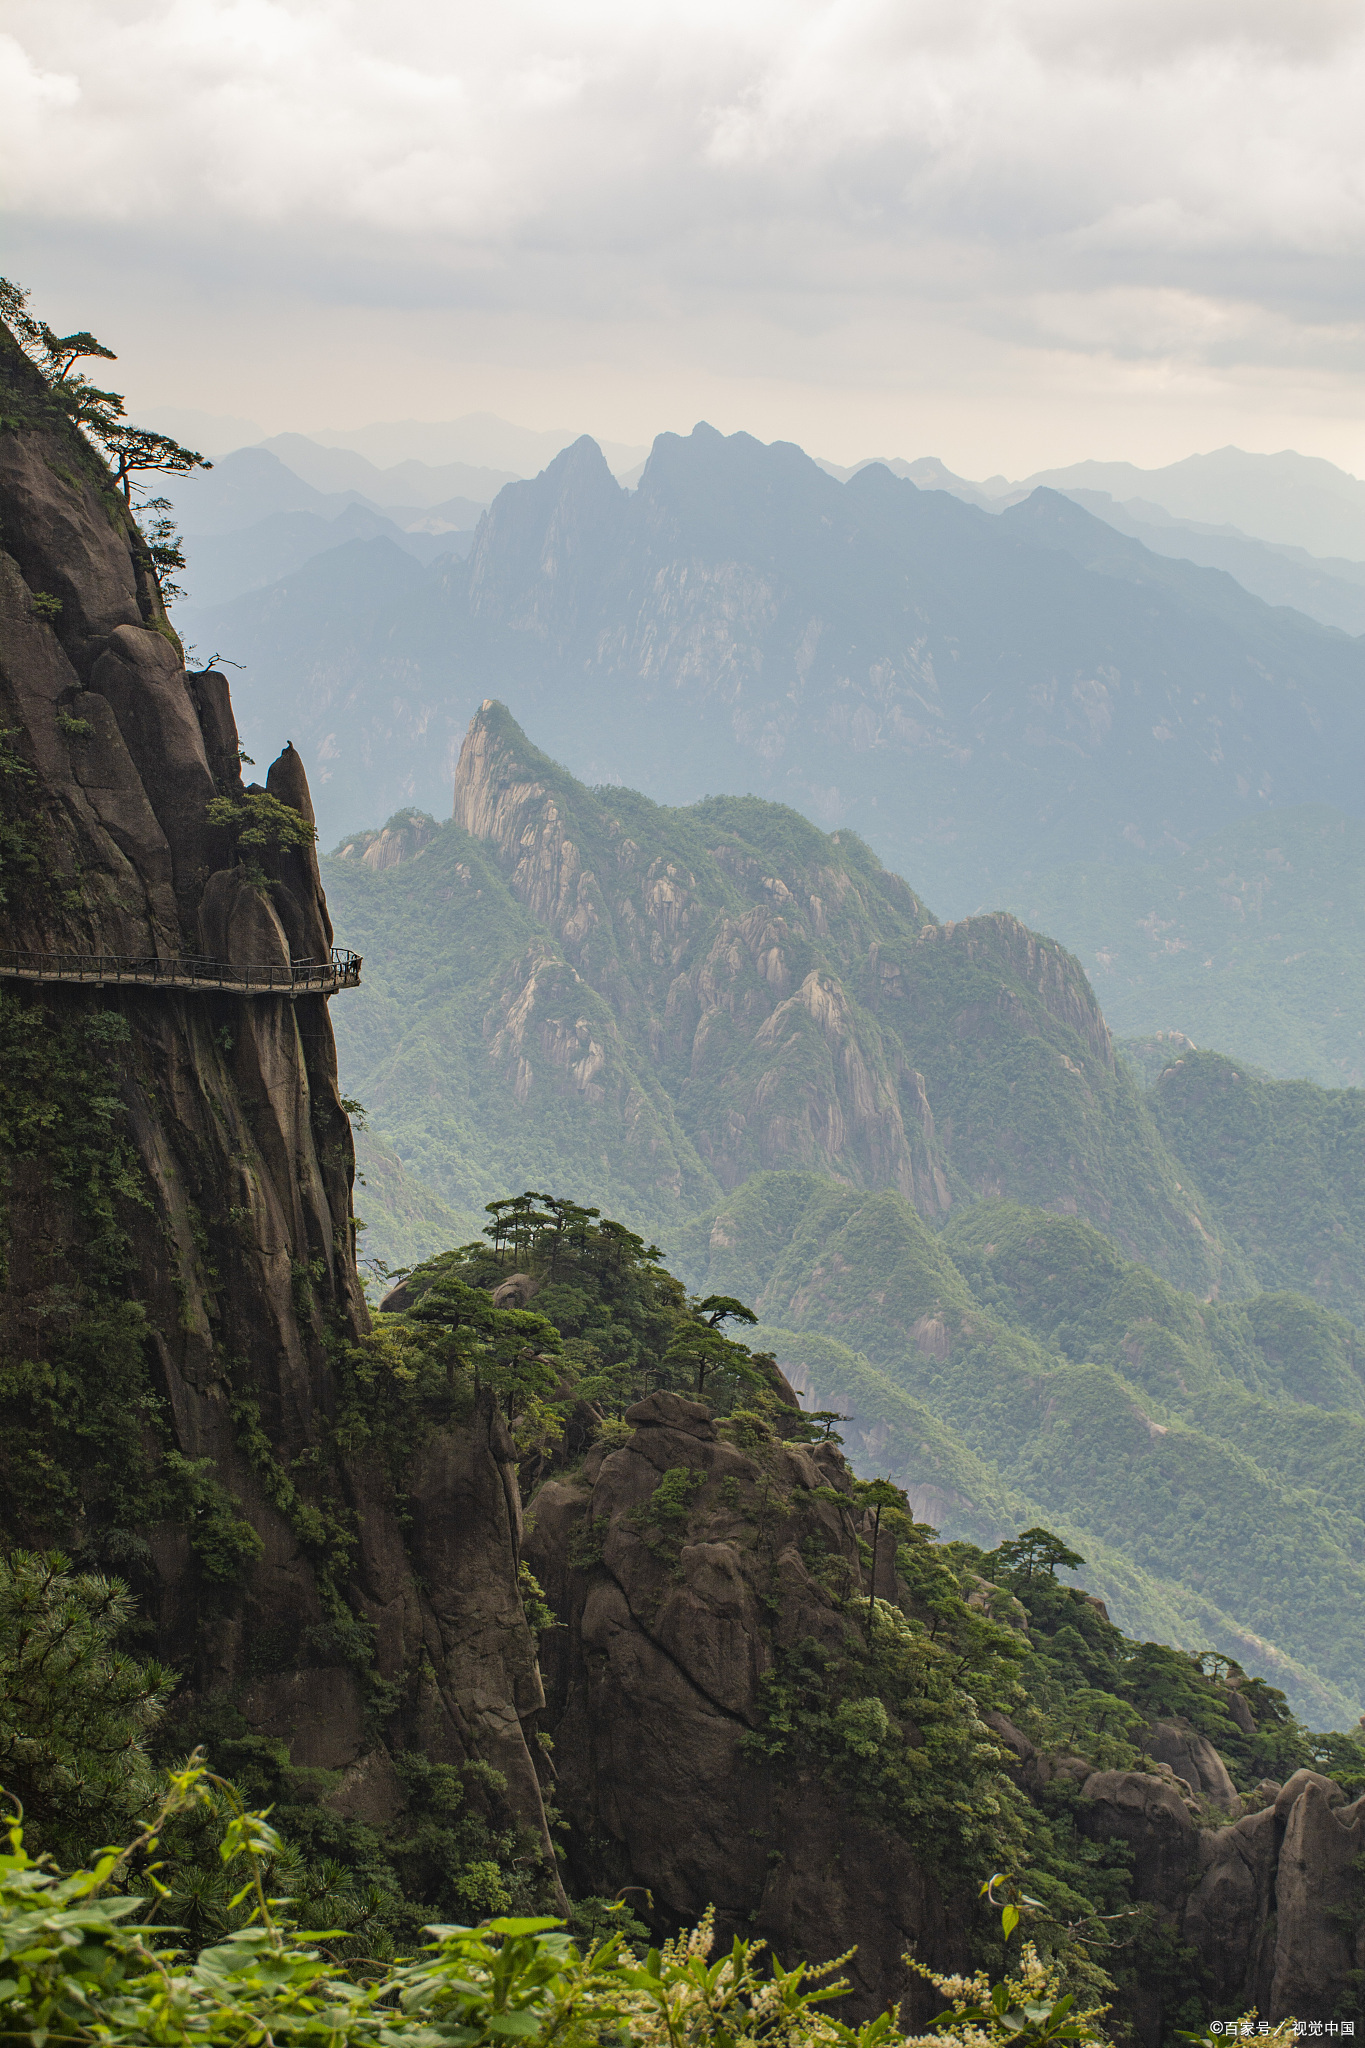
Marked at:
<point>982,696</point>
<point>412,482</point>
<point>255,556</point>
<point>1330,589</point>
<point>1285,499</point>
<point>252,484</point>
<point>251,520</point>
<point>396,467</point>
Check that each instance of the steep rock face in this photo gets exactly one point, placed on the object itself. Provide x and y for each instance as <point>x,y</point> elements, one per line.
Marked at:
<point>1270,1904</point>
<point>1279,1161</point>
<point>656,1681</point>
<point>220,1276</point>
<point>676,1608</point>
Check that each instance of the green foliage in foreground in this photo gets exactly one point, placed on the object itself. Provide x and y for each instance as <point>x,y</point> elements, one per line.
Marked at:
<point>81,1960</point>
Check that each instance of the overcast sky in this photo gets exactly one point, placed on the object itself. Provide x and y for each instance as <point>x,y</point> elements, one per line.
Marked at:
<point>1007,232</point>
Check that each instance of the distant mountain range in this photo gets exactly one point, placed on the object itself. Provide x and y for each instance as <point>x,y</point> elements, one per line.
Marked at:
<point>262,511</point>
<point>1289,500</point>
<point>1288,494</point>
<point>403,483</point>
<point>985,697</point>
<point>480,438</point>
<point>252,519</point>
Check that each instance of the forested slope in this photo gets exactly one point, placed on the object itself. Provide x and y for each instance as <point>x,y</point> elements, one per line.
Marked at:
<point>1205,1455</point>
<point>1282,1165</point>
<point>583,985</point>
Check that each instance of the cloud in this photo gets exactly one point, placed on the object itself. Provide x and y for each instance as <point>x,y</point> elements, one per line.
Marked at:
<point>1170,181</point>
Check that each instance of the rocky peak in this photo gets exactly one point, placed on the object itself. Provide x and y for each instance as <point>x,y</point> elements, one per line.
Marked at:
<point>544,544</point>
<point>1055,976</point>
<point>403,838</point>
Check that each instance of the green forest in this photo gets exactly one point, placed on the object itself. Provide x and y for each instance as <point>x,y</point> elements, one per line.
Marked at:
<point>237,1904</point>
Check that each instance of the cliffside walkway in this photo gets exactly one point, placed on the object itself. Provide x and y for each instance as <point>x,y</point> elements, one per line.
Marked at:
<point>99,970</point>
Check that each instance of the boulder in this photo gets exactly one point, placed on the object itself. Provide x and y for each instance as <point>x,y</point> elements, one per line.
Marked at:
<point>1151,1817</point>
<point>1319,1941</point>
<point>1013,1740</point>
<point>1228,1917</point>
<point>672,1411</point>
<point>514,1292</point>
<point>238,923</point>
<point>1193,1757</point>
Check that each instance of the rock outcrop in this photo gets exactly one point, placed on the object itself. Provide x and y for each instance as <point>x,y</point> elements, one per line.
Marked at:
<point>230,1233</point>
<point>673,1626</point>
<point>656,1680</point>
<point>1271,1905</point>
<point>1193,1758</point>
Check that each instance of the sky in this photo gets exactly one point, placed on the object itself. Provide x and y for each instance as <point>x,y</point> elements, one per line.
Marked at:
<point>1010,233</point>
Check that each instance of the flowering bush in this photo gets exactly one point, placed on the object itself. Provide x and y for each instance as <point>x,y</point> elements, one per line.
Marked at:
<point>1026,2010</point>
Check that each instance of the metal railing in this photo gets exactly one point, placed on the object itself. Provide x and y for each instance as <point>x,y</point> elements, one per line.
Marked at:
<point>299,978</point>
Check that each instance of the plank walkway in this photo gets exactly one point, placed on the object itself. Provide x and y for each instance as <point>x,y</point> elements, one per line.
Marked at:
<point>218,977</point>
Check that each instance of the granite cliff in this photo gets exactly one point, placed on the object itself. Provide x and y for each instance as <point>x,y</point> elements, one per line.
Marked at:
<point>180,1290</point>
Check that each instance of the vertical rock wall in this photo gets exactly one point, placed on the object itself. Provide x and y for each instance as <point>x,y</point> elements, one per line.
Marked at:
<point>236,1207</point>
